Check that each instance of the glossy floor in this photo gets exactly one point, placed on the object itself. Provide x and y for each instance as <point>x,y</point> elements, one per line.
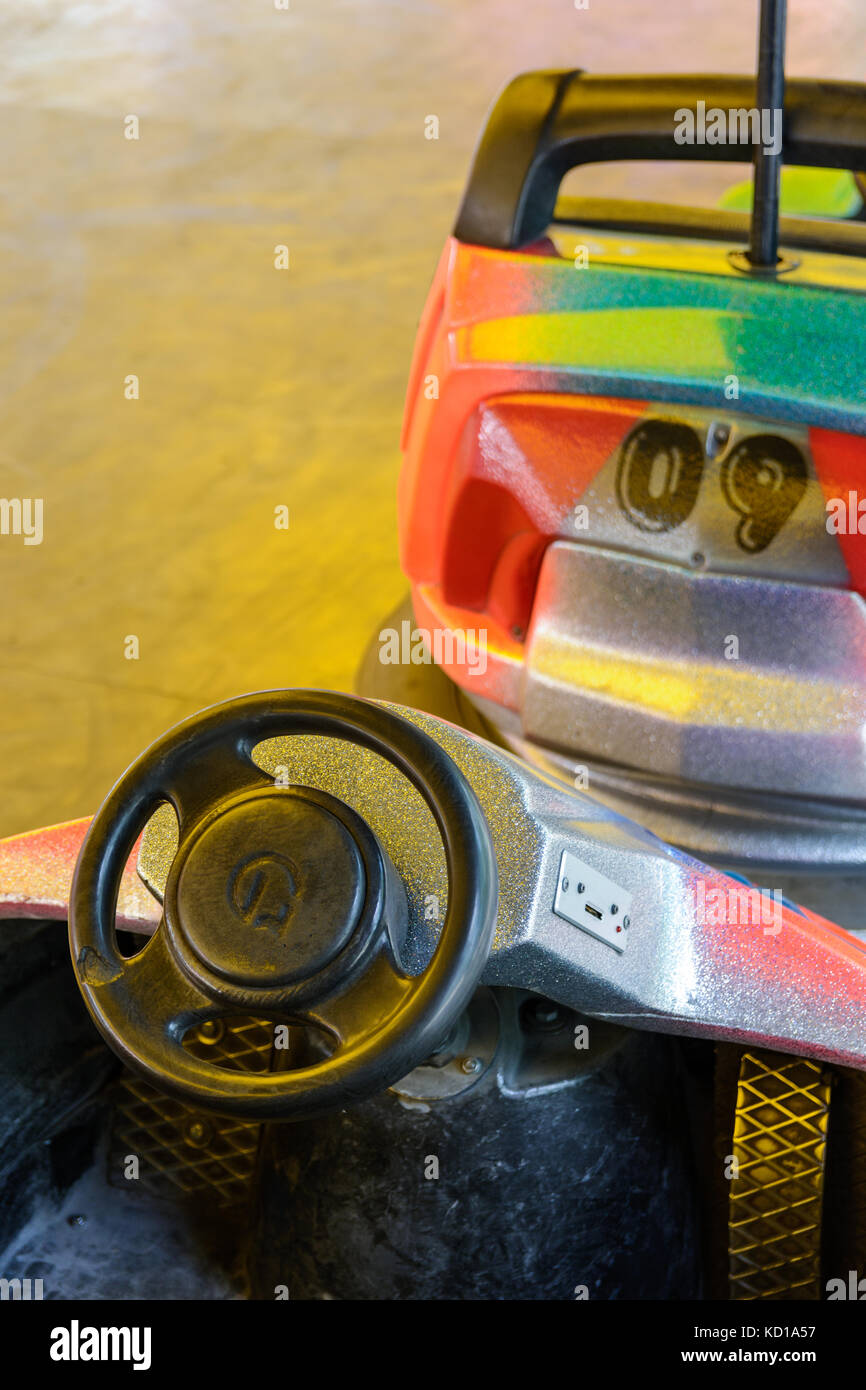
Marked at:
<point>258,387</point>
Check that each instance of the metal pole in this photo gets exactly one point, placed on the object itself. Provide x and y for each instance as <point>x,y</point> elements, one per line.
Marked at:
<point>764,232</point>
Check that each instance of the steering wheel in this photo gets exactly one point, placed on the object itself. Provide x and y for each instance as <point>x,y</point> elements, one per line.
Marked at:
<point>280,903</point>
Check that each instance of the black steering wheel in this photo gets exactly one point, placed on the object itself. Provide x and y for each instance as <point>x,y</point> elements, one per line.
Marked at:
<point>280,903</point>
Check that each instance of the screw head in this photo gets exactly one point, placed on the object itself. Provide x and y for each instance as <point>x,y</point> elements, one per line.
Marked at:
<point>580,888</point>
<point>210,1031</point>
<point>614,910</point>
<point>718,435</point>
<point>626,921</point>
<point>470,1065</point>
<point>198,1133</point>
<point>565,885</point>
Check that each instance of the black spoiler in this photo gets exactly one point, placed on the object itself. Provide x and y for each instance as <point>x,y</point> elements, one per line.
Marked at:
<point>546,123</point>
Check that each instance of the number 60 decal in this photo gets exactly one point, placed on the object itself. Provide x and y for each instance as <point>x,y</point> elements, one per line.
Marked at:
<point>661,466</point>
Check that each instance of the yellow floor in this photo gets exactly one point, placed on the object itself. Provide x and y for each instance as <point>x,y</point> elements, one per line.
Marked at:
<point>258,387</point>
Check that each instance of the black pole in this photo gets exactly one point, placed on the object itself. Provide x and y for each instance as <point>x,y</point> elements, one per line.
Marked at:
<point>764,233</point>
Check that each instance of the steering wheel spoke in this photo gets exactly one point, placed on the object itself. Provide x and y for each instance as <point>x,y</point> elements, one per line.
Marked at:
<point>217,772</point>
<point>157,992</point>
<point>371,1001</point>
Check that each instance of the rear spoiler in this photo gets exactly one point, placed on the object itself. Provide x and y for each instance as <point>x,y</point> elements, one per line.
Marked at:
<point>546,123</point>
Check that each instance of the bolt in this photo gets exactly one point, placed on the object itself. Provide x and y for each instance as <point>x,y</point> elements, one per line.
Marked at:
<point>717,437</point>
<point>470,1065</point>
<point>580,887</point>
<point>565,885</point>
<point>614,910</point>
<point>198,1133</point>
<point>626,921</point>
<point>210,1031</point>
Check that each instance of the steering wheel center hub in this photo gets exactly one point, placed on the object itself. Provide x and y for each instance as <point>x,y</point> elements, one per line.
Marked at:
<point>270,890</point>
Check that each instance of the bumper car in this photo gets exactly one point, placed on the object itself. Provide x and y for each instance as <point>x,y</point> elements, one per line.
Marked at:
<point>632,455</point>
<point>459,987</point>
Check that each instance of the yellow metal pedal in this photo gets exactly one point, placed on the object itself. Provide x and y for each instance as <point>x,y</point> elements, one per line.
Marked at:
<point>777,1189</point>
